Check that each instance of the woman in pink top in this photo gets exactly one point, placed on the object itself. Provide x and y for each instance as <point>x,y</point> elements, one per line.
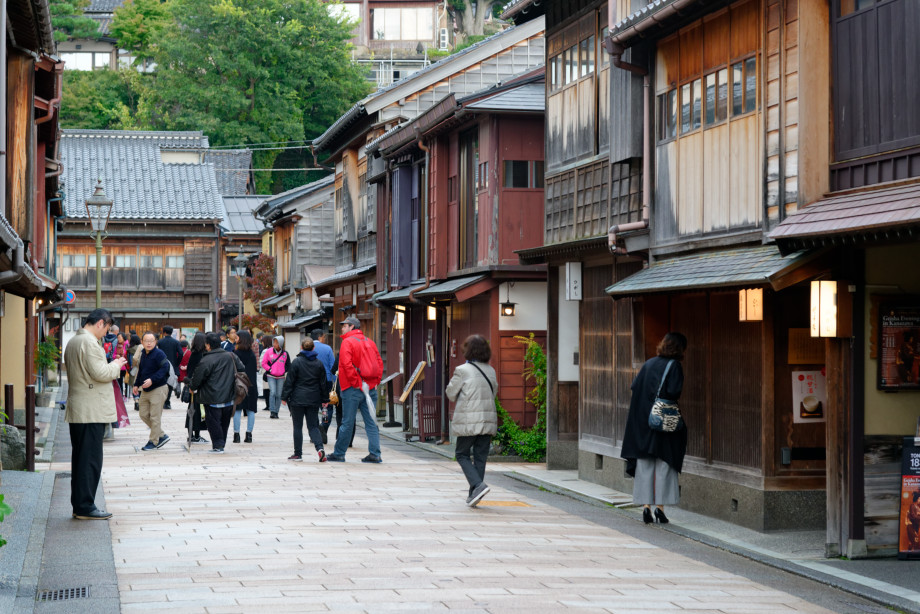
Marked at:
<point>275,364</point>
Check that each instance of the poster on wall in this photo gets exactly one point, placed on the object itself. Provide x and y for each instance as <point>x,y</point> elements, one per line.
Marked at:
<point>899,347</point>
<point>809,396</point>
<point>909,518</point>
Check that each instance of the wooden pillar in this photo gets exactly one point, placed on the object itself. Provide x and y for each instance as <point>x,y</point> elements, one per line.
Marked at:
<point>20,144</point>
<point>837,363</point>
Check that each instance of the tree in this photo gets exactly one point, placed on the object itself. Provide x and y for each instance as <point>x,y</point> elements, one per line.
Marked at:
<point>261,284</point>
<point>242,72</point>
<point>468,17</point>
<point>103,99</point>
<point>138,26</point>
<point>68,21</point>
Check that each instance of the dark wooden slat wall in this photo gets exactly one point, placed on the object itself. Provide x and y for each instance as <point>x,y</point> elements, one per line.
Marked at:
<point>689,315</point>
<point>597,354</point>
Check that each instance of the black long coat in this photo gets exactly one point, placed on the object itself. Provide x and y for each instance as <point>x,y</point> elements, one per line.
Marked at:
<point>640,441</point>
<point>248,359</point>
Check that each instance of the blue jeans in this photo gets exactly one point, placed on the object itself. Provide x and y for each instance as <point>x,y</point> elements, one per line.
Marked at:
<point>275,385</point>
<point>353,400</point>
<point>250,420</point>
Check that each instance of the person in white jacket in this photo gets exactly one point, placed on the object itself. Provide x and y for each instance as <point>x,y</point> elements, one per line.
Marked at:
<point>473,388</point>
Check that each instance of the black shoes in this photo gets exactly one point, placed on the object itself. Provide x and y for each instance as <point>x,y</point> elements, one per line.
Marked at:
<point>236,438</point>
<point>274,416</point>
<point>370,458</point>
<point>248,437</point>
<point>647,516</point>
<point>94,515</point>
<point>660,517</point>
<point>335,459</point>
<point>478,493</point>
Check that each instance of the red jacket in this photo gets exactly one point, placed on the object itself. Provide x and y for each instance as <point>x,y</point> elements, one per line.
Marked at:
<point>183,365</point>
<point>359,353</point>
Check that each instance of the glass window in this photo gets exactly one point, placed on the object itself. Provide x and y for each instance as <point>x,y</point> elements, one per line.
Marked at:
<point>686,114</point>
<point>79,260</point>
<point>722,99</point>
<point>124,262</point>
<point>569,66</point>
<point>516,174</point>
<point>591,49</point>
<point>750,84</point>
<point>851,6</point>
<point>538,174</point>
<point>697,103</point>
<point>584,57</point>
<point>102,60</point>
<point>737,92</point>
<point>175,262</point>
<point>92,260</point>
<point>78,61</point>
<point>672,114</point>
<point>711,98</point>
<point>716,97</point>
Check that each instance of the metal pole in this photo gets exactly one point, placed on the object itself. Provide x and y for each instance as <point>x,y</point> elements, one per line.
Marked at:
<point>239,320</point>
<point>98,269</point>
<point>31,452</point>
<point>8,404</point>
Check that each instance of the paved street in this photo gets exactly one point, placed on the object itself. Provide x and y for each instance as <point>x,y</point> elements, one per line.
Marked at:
<point>248,531</point>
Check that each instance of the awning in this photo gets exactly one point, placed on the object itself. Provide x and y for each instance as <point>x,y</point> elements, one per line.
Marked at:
<point>398,296</point>
<point>309,318</point>
<point>277,300</point>
<point>343,276</point>
<point>887,214</point>
<point>740,267</point>
<point>447,289</point>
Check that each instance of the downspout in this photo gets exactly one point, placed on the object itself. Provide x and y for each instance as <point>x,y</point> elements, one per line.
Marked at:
<point>616,51</point>
<point>55,103</point>
<point>18,262</point>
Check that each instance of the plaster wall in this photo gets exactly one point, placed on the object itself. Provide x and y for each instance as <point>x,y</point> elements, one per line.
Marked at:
<point>530,308</point>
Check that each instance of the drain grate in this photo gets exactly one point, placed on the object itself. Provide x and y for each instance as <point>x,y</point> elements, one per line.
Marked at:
<point>64,594</point>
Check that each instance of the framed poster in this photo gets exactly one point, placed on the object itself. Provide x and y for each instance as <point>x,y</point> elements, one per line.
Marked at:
<point>809,396</point>
<point>909,518</point>
<point>899,347</point>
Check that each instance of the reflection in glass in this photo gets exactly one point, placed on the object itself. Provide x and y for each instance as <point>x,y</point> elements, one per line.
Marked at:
<point>710,98</point>
<point>750,84</point>
<point>672,114</point>
<point>685,109</point>
<point>722,101</point>
<point>737,93</point>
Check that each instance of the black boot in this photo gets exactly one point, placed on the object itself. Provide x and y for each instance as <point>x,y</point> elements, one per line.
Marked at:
<point>248,437</point>
<point>236,438</point>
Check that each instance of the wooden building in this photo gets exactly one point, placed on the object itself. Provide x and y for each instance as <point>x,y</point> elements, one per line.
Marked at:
<point>357,224</point>
<point>463,190</point>
<point>29,103</point>
<point>240,234</point>
<point>161,255</point>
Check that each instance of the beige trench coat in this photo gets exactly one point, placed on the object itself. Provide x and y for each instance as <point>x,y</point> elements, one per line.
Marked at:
<point>90,395</point>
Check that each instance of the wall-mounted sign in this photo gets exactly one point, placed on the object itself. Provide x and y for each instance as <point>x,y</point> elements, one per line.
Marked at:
<point>899,347</point>
<point>573,281</point>
<point>417,376</point>
<point>70,297</point>
<point>809,396</point>
<point>909,518</point>
<point>750,305</point>
<point>831,309</point>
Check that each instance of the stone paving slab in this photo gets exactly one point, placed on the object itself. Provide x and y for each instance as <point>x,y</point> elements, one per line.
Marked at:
<point>248,531</point>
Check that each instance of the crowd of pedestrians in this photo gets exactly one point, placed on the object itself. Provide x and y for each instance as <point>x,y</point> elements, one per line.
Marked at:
<point>220,375</point>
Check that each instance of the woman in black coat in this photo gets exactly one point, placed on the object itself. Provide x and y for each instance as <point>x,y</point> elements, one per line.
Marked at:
<point>243,349</point>
<point>194,410</point>
<point>655,458</point>
<point>304,390</point>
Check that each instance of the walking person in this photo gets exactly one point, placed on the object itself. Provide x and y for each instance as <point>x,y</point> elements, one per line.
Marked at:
<point>263,380</point>
<point>90,407</point>
<point>275,363</point>
<point>120,350</point>
<point>134,354</point>
<point>305,390</point>
<point>244,352</point>
<point>173,351</point>
<point>193,414</point>
<point>150,383</point>
<point>213,383</point>
<point>360,371</point>
<point>655,458</point>
<point>326,356</point>
<point>473,388</point>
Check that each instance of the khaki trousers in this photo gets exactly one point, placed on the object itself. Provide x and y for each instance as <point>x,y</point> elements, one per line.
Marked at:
<point>151,406</point>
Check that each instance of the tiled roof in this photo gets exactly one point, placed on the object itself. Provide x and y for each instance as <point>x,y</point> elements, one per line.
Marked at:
<point>277,201</point>
<point>134,176</point>
<point>238,214</point>
<point>528,97</point>
<point>103,6</point>
<point>739,267</point>
<point>869,212</point>
<point>232,168</point>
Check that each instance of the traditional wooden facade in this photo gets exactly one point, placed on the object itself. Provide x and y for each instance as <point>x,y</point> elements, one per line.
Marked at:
<point>357,223</point>
<point>162,250</point>
<point>474,164</point>
<point>240,235</point>
<point>29,293</point>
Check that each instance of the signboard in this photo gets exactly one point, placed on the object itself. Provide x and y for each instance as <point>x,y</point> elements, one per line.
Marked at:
<point>417,376</point>
<point>909,518</point>
<point>70,297</point>
<point>899,347</point>
<point>573,281</point>
<point>809,396</point>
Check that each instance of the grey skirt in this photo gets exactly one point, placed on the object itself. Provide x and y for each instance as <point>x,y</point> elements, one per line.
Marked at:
<point>655,483</point>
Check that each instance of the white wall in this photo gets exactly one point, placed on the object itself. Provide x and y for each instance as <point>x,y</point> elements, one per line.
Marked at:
<point>530,310</point>
<point>567,334</point>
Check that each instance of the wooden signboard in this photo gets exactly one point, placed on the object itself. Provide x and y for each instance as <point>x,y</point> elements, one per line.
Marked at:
<point>417,376</point>
<point>909,523</point>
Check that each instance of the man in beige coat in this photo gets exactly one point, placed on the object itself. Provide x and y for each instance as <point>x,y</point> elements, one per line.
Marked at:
<point>90,407</point>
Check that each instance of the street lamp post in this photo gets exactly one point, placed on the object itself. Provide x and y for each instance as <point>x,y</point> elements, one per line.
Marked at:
<point>98,209</point>
<point>240,264</point>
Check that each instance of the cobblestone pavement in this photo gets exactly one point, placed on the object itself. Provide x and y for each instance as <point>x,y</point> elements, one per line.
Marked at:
<point>249,531</point>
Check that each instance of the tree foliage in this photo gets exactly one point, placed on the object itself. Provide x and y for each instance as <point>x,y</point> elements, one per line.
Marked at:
<point>529,444</point>
<point>103,99</point>
<point>470,15</point>
<point>261,284</point>
<point>138,26</point>
<point>68,21</point>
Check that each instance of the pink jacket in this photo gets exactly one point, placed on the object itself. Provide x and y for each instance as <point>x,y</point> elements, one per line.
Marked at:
<point>279,367</point>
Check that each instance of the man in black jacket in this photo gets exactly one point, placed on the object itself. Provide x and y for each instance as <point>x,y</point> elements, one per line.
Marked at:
<point>213,385</point>
<point>304,391</point>
<point>173,352</point>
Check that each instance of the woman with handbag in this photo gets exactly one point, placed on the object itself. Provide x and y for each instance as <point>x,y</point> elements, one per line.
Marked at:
<point>473,388</point>
<point>275,363</point>
<point>654,452</point>
<point>243,350</point>
<point>193,414</point>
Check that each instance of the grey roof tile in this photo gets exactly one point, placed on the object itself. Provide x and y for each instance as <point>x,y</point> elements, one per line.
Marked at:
<point>238,217</point>
<point>135,177</point>
<point>233,169</point>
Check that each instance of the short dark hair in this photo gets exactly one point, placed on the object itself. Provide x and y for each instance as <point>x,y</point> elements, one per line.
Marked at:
<point>244,341</point>
<point>151,333</point>
<point>317,334</point>
<point>167,330</point>
<point>198,342</point>
<point>99,314</point>
<point>307,344</point>
<point>220,333</point>
<point>476,347</point>
<point>183,344</point>
<point>673,345</point>
<point>213,340</point>
<point>231,328</point>
<point>135,339</point>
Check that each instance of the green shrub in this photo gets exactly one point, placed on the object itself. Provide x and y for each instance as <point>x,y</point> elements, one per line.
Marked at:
<point>529,444</point>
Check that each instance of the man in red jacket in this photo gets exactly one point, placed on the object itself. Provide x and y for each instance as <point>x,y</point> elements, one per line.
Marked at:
<point>360,365</point>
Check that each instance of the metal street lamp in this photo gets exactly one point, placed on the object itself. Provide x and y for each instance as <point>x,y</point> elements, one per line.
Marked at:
<point>98,209</point>
<point>239,264</point>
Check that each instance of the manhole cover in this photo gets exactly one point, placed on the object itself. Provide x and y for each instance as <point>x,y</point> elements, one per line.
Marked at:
<point>63,594</point>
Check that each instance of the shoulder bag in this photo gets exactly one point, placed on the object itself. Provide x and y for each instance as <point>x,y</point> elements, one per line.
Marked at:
<point>665,415</point>
<point>488,381</point>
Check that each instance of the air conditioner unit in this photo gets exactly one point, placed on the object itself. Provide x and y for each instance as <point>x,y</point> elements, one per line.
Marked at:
<point>442,41</point>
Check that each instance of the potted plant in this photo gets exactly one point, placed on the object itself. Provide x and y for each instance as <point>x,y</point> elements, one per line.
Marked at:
<point>47,355</point>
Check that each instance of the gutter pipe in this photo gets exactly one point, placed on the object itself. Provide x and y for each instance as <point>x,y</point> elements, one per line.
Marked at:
<point>18,260</point>
<point>55,103</point>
